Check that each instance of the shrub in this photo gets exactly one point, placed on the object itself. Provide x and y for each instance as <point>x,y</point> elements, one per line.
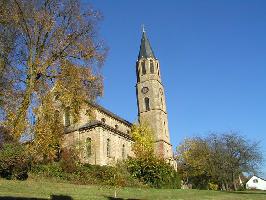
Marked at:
<point>213,186</point>
<point>200,182</point>
<point>48,170</point>
<point>119,176</point>
<point>154,171</point>
<point>68,161</point>
<point>14,163</point>
<point>88,174</point>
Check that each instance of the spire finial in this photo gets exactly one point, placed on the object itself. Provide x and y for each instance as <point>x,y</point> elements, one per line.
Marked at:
<point>143,28</point>
<point>145,47</point>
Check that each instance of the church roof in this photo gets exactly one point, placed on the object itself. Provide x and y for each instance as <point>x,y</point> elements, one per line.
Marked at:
<point>145,50</point>
<point>107,112</point>
<point>96,123</point>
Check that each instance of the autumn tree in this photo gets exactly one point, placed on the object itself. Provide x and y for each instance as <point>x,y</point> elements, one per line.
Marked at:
<point>143,146</point>
<point>146,166</point>
<point>47,46</point>
<point>192,162</point>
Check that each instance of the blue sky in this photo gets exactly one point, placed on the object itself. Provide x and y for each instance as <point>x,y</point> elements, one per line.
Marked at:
<point>213,63</point>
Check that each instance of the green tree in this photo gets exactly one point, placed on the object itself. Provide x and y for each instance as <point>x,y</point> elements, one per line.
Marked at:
<point>217,159</point>
<point>232,155</point>
<point>14,162</point>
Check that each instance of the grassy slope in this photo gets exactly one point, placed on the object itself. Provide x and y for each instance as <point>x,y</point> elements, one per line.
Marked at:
<point>45,188</point>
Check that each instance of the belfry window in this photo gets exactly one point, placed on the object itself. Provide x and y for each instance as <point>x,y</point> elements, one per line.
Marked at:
<point>158,69</point>
<point>108,148</point>
<point>88,146</point>
<point>143,68</point>
<point>67,116</point>
<point>138,73</point>
<point>147,103</point>
<point>151,67</point>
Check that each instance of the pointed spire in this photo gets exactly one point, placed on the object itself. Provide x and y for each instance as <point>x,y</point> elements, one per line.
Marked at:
<point>145,47</point>
<point>143,28</point>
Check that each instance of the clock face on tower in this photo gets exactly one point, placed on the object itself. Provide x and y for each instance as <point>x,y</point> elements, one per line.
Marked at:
<point>144,90</point>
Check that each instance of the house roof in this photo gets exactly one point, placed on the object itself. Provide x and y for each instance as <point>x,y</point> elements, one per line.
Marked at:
<point>258,177</point>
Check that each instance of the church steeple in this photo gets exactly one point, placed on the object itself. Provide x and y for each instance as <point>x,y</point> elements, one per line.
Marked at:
<point>145,50</point>
<point>151,98</point>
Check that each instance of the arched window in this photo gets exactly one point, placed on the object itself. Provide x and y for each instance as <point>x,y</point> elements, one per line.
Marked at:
<point>151,67</point>
<point>147,103</point>
<point>143,68</point>
<point>67,116</point>
<point>123,152</point>
<point>108,148</point>
<point>57,119</point>
<point>103,120</point>
<point>116,126</point>
<point>56,96</point>
<point>56,115</point>
<point>158,69</point>
<point>88,146</point>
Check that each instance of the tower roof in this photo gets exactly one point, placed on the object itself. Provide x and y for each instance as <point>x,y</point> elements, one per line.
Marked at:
<point>145,50</point>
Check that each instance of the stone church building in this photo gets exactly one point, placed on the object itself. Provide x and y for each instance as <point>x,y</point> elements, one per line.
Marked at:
<point>106,138</point>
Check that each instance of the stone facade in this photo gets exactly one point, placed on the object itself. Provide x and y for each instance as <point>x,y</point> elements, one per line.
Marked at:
<point>102,139</point>
<point>105,138</point>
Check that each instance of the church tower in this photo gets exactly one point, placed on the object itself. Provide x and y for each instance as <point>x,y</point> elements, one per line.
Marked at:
<point>151,98</point>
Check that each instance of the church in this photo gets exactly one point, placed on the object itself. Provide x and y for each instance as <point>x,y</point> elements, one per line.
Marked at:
<point>106,138</point>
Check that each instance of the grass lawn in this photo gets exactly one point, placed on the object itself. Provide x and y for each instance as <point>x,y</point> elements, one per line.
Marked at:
<point>43,189</point>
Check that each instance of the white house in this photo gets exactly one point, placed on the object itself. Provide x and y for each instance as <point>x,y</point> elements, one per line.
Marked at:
<point>256,183</point>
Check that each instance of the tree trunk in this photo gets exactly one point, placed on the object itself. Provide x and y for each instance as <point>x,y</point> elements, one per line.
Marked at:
<point>226,186</point>
<point>234,182</point>
<point>223,186</point>
<point>19,122</point>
